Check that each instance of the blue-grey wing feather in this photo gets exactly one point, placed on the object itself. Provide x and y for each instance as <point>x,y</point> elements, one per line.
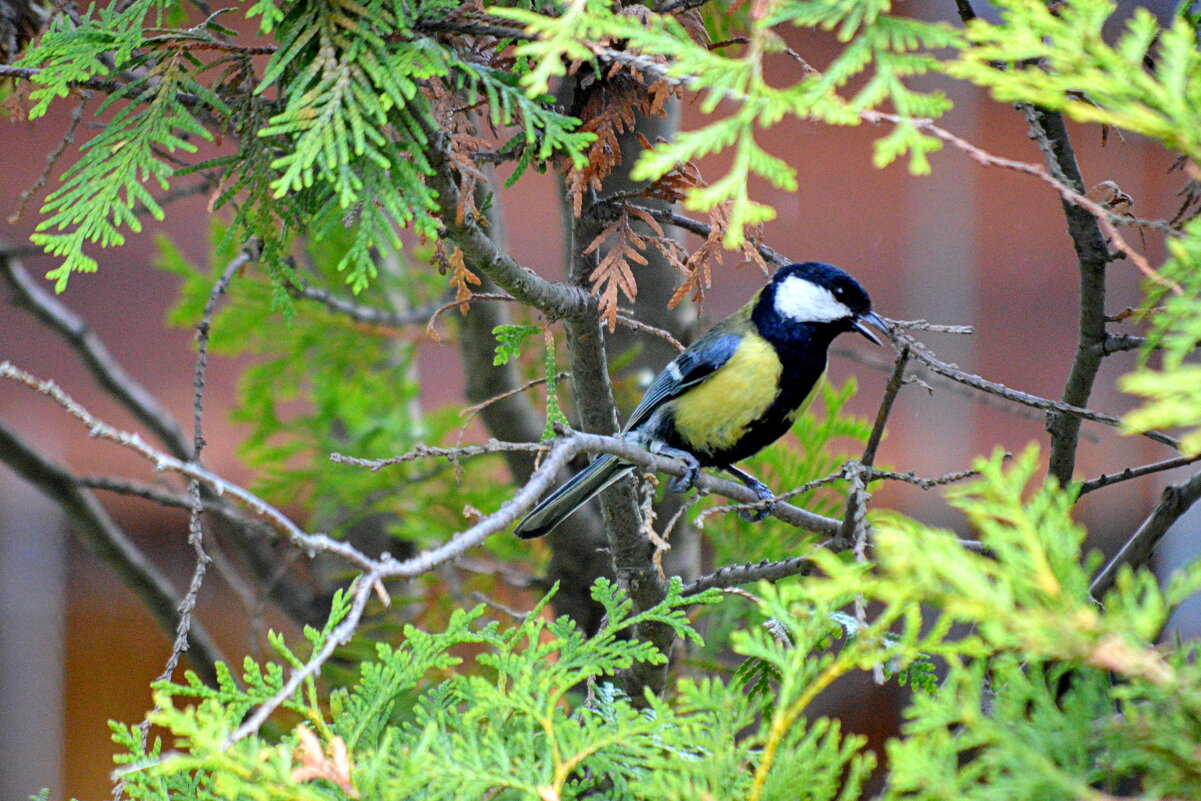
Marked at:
<point>691,367</point>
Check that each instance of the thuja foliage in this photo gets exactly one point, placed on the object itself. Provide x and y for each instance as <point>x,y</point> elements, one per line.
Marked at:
<point>1047,694</point>
<point>1041,692</point>
<point>889,49</point>
<point>1146,80</point>
<point>334,132</point>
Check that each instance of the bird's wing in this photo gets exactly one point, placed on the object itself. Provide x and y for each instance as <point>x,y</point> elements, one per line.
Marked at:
<point>701,360</point>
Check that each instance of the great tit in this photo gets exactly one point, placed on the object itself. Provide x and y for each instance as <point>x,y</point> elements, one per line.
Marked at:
<point>735,390</point>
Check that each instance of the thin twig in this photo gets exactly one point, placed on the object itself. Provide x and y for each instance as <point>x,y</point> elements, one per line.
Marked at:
<point>1106,479</point>
<point>840,475</point>
<point>67,141</point>
<point>1024,398</point>
<point>195,530</point>
<point>765,570</point>
<point>100,362</point>
<point>429,451</point>
<point>518,617</point>
<point>891,389</point>
<point>1175,501</point>
<point>110,87</point>
<point>163,462</point>
<point>445,307</point>
<point>924,483</point>
<point>933,381</point>
<point>562,451</point>
<point>360,312</point>
<point>471,411</point>
<point>934,328</point>
<point>854,521</point>
<point>641,327</point>
<point>166,497</point>
<point>362,588</point>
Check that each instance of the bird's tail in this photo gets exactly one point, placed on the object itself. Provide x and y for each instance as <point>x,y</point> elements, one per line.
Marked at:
<point>570,496</point>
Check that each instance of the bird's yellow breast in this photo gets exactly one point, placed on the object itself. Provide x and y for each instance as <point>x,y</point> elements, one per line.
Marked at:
<point>714,415</point>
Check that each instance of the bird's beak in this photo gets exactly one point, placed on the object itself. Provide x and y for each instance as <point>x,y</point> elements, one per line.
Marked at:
<point>874,319</point>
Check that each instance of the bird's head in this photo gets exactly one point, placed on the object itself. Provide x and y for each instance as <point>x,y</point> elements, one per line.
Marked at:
<point>821,295</point>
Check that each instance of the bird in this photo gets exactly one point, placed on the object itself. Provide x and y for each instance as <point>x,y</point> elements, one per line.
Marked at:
<point>735,390</point>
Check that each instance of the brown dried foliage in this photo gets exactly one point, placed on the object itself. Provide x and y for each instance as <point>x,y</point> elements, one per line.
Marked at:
<point>452,116</point>
<point>315,763</point>
<point>461,278</point>
<point>611,107</point>
<point>614,273</point>
<point>698,266</point>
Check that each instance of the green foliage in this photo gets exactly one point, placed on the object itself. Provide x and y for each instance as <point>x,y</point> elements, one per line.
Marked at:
<point>1173,391</point>
<point>101,191</point>
<point>341,143</point>
<point>1026,707</point>
<point>554,413</point>
<point>514,719</point>
<point>893,48</point>
<point>320,383</point>
<point>509,339</point>
<point>1148,81</point>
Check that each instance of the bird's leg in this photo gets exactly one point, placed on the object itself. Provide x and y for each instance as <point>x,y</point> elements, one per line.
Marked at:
<point>692,466</point>
<point>759,488</point>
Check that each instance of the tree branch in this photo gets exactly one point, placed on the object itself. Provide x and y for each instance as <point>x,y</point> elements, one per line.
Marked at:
<point>1175,501</point>
<point>592,394</point>
<point>103,537</point>
<point>750,572</point>
<point>164,462</point>
<point>360,312</point>
<point>248,252</point>
<point>559,301</point>
<point>765,570</point>
<point>1106,479</point>
<point>854,524</point>
<point>1017,396</point>
<point>578,442</point>
<point>1092,254</point>
<point>108,373</point>
<point>362,588</point>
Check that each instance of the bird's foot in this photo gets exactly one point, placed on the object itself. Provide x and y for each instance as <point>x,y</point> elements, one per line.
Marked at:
<point>691,465</point>
<point>767,500</point>
<point>692,469</point>
<point>766,497</point>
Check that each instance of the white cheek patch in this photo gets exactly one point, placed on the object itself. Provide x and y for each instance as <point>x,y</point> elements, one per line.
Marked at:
<point>804,302</point>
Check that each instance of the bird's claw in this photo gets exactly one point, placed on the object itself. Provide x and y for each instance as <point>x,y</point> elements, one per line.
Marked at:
<point>757,513</point>
<point>688,480</point>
